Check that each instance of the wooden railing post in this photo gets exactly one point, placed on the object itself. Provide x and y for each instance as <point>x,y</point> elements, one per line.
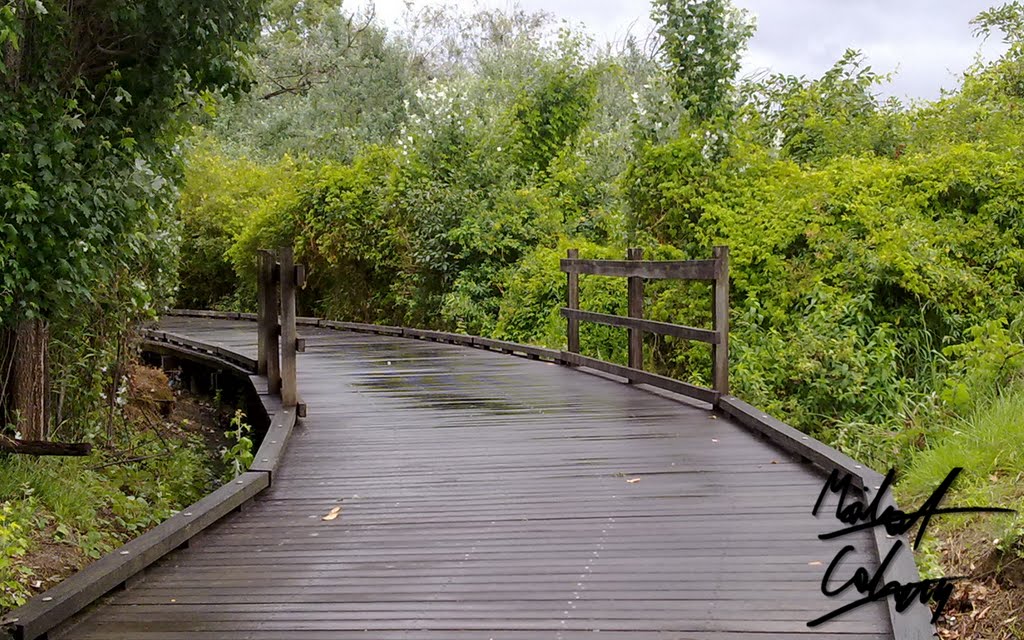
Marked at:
<point>289,390</point>
<point>573,333</point>
<point>636,310</point>
<point>262,286</point>
<point>269,361</point>
<point>720,305</point>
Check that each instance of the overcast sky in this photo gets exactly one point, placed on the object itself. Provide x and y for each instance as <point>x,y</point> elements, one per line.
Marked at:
<point>928,43</point>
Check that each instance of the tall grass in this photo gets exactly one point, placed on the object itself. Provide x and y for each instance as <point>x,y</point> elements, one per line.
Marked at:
<point>989,444</point>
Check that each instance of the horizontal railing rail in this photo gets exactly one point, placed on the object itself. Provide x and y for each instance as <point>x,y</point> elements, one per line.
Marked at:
<point>649,326</point>
<point>651,269</point>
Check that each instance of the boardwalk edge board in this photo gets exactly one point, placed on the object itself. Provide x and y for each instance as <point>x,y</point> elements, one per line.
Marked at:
<point>52,608</point>
<point>282,421</point>
<point>911,624</point>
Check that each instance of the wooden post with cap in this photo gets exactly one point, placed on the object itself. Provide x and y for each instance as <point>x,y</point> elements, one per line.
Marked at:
<point>720,305</point>
<point>289,392</point>
<point>573,331</point>
<point>268,325</point>
<point>635,290</point>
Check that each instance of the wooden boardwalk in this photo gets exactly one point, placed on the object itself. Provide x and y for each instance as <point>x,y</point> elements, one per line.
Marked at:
<point>489,496</point>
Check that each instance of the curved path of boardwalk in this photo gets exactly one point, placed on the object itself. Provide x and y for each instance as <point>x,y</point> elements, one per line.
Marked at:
<point>487,496</point>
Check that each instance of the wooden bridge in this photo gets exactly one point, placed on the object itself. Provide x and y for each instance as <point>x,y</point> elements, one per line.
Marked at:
<point>450,487</point>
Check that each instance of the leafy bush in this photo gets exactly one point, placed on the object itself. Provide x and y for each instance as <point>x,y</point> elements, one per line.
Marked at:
<point>219,198</point>
<point>13,544</point>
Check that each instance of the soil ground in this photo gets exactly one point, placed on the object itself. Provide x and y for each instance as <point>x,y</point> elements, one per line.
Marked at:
<point>990,606</point>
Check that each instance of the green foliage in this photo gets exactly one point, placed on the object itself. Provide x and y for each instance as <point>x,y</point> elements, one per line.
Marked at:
<point>536,290</point>
<point>110,501</point>
<point>554,108</point>
<point>239,455</point>
<point>346,233</point>
<point>983,366</point>
<point>13,544</point>
<point>986,442</point>
<point>702,41</point>
<point>94,97</point>
<point>220,196</point>
<point>326,84</point>
<point>87,128</point>
<point>815,120</point>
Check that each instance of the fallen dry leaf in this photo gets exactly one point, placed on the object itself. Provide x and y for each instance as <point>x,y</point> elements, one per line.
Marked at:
<point>633,480</point>
<point>332,514</point>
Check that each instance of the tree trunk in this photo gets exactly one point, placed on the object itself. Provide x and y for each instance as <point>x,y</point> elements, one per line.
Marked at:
<point>29,380</point>
<point>6,369</point>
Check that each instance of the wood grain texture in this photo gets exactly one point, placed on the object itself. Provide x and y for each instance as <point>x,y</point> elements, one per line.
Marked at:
<point>653,269</point>
<point>573,302</point>
<point>650,326</point>
<point>643,377</point>
<point>720,313</point>
<point>484,496</point>
<point>635,309</point>
<point>289,389</point>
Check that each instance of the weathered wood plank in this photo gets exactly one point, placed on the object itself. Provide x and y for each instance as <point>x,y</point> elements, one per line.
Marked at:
<point>573,331</point>
<point>651,269</point>
<point>275,442</point>
<point>643,377</point>
<point>363,327</point>
<point>650,326</point>
<point>792,440</point>
<point>168,347</point>
<point>44,447</point>
<point>289,371</point>
<point>720,313</point>
<point>635,309</point>
<point>599,506</point>
<point>263,315</point>
<point>272,320</point>
<point>516,348</point>
<point>913,623</point>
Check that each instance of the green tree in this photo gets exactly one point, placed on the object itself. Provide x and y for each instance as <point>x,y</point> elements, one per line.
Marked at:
<point>701,45</point>
<point>94,93</point>
<point>326,83</point>
<point>836,114</point>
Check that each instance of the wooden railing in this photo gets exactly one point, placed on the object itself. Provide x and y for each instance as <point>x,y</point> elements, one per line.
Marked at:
<point>277,340</point>
<point>715,270</point>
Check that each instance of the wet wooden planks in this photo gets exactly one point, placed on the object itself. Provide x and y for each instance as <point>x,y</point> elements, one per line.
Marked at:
<point>489,496</point>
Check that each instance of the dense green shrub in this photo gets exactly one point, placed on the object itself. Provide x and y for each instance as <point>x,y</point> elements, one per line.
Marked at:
<point>223,198</point>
